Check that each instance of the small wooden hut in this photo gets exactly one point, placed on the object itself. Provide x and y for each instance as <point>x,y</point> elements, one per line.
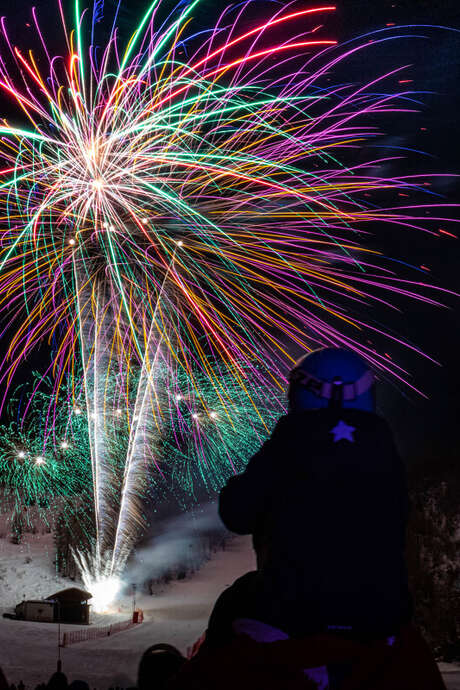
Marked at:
<point>71,605</point>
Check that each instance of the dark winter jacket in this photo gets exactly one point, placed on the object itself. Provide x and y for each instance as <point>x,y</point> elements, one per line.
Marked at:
<point>326,501</point>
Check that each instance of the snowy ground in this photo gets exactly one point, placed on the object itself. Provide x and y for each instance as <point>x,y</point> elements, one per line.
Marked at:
<point>178,615</point>
<point>26,570</point>
<point>451,675</point>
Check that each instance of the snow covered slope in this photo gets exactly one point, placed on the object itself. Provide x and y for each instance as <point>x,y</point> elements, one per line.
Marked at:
<point>26,570</point>
<point>178,615</point>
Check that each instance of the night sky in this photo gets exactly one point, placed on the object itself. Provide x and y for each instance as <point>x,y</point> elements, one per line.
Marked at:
<point>426,429</point>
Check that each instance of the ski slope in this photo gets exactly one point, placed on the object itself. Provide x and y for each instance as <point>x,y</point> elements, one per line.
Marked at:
<point>178,615</point>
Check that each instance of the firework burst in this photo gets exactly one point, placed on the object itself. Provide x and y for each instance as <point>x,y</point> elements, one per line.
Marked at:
<point>176,218</point>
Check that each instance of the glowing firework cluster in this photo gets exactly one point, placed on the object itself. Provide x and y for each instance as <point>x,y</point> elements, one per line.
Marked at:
<point>42,462</point>
<point>177,222</point>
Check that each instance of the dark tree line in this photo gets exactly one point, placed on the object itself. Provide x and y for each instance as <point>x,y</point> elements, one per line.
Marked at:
<point>434,555</point>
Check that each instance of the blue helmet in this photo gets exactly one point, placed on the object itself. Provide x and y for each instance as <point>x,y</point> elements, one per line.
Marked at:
<point>331,377</point>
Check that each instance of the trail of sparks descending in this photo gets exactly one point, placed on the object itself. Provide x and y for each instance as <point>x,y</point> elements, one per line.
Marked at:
<point>176,215</point>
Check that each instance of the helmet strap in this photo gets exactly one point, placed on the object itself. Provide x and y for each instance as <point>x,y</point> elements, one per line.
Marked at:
<point>336,399</point>
<point>336,392</point>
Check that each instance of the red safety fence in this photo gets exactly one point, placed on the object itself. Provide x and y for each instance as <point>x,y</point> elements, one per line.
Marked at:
<point>95,633</point>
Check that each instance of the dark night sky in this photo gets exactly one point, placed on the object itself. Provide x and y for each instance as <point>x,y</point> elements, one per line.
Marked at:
<point>425,428</point>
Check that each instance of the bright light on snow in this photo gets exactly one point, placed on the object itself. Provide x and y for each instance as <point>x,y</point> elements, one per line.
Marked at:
<point>104,593</point>
<point>99,579</point>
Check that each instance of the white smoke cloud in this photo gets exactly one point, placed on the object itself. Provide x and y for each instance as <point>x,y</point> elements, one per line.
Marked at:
<point>180,545</point>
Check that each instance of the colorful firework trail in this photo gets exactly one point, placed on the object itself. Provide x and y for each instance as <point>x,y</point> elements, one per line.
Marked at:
<point>178,205</point>
<point>187,455</point>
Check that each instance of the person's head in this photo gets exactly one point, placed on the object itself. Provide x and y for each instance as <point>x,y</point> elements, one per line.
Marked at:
<point>331,377</point>
<point>78,685</point>
<point>158,664</point>
<point>58,681</point>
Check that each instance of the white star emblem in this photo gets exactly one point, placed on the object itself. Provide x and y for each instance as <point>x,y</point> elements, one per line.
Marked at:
<point>343,431</point>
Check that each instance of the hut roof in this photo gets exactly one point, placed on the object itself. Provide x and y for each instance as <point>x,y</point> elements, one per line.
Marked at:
<point>70,595</point>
